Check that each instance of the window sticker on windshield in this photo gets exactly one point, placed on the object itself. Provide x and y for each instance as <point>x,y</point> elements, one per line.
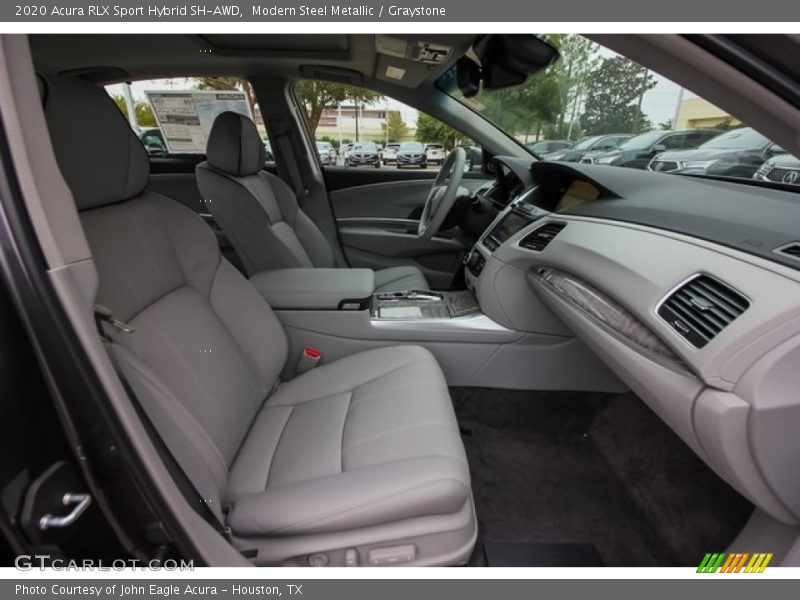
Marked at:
<point>185,117</point>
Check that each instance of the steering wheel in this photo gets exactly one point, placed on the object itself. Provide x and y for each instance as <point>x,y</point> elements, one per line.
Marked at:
<point>443,194</point>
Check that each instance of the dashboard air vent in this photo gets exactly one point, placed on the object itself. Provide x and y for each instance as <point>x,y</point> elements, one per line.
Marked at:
<point>701,308</point>
<point>540,237</point>
<point>790,250</point>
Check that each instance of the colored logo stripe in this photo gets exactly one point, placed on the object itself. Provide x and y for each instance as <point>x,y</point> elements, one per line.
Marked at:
<point>734,562</point>
<point>758,563</point>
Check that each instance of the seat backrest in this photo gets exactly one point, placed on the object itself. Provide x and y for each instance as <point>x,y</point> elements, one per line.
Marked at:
<point>257,210</point>
<point>207,349</point>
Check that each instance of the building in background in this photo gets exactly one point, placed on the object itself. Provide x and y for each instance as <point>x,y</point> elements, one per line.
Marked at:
<point>697,113</point>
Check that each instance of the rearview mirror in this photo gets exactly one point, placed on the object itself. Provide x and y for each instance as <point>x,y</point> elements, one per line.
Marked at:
<point>468,76</point>
<point>509,59</point>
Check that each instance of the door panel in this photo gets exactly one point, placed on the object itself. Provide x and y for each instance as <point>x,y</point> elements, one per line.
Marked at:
<point>383,243</point>
<point>389,199</point>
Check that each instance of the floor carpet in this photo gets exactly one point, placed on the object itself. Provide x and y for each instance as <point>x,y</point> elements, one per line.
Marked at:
<point>556,474</point>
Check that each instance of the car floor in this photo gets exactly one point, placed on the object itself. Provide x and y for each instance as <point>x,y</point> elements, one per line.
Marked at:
<point>581,479</point>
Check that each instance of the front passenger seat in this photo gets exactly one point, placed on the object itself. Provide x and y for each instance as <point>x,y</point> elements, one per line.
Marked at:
<point>259,213</point>
<point>356,462</point>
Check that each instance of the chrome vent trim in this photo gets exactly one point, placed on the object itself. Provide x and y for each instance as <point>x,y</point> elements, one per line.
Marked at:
<point>701,307</point>
<point>538,239</point>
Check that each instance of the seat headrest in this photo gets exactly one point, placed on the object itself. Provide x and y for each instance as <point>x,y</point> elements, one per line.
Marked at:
<point>234,145</point>
<point>101,159</point>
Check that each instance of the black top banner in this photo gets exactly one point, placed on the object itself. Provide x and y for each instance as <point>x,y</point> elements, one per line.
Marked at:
<point>477,11</point>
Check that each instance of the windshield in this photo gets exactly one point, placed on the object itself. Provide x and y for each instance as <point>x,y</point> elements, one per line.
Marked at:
<point>744,138</point>
<point>411,147</point>
<point>643,141</point>
<point>365,147</point>
<point>595,98</point>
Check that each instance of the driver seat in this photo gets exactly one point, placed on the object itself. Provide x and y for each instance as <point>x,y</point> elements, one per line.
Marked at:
<point>259,213</point>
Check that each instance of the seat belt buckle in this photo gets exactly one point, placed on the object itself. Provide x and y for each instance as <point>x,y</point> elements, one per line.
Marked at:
<point>309,358</point>
<point>104,315</point>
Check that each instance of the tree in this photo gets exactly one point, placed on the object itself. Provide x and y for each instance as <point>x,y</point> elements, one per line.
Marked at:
<point>525,109</point>
<point>316,96</point>
<point>144,112</point>
<point>394,127</point>
<point>613,97</point>
<point>229,83</point>
<point>430,130</point>
<point>579,57</point>
<point>666,125</point>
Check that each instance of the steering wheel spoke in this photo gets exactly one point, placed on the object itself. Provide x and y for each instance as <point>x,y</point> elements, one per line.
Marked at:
<point>443,194</point>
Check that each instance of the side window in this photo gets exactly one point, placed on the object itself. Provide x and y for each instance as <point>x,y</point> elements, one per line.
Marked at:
<point>696,138</point>
<point>358,128</point>
<point>605,144</point>
<point>173,117</point>
<point>618,141</point>
<point>674,142</point>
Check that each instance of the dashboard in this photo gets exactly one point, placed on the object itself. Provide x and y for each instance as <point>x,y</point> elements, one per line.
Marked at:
<point>687,289</point>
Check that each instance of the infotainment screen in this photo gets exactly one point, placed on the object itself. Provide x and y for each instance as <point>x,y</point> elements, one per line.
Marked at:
<point>508,226</point>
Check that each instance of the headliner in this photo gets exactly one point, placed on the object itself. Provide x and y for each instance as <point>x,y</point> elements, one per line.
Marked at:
<point>120,57</point>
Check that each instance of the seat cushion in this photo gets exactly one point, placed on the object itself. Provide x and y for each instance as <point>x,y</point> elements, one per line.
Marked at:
<point>398,279</point>
<point>371,438</point>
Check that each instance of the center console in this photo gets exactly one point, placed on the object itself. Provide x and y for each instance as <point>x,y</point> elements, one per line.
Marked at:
<point>496,333</point>
<point>421,304</point>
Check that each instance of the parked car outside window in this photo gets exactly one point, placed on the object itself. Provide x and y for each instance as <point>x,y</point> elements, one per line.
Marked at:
<point>153,142</point>
<point>597,143</point>
<point>411,154</point>
<point>547,146</point>
<point>637,152</point>
<point>390,153</point>
<point>737,153</point>
<point>783,168</point>
<point>435,154</point>
<point>363,154</point>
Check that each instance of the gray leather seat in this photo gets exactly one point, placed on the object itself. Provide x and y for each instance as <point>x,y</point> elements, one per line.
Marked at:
<point>357,459</point>
<point>259,213</point>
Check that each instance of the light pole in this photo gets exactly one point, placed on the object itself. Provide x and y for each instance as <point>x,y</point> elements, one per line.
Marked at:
<point>340,154</point>
<point>130,107</point>
<point>677,109</point>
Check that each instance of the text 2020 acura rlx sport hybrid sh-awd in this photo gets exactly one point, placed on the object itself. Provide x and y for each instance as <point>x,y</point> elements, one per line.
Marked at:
<point>496,361</point>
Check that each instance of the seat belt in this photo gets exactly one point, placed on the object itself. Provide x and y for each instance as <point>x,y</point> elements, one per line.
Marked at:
<point>185,485</point>
<point>287,166</point>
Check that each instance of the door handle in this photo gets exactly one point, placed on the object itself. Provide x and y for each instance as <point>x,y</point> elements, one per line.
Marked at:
<point>80,501</point>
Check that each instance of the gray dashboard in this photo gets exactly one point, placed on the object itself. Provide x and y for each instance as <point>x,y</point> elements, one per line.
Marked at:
<point>734,399</point>
<point>750,218</point>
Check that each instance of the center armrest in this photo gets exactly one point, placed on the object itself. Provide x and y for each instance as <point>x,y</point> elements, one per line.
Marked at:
<point>316,289</point>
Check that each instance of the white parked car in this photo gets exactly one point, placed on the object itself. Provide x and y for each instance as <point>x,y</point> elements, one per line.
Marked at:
<point>324,152</point>
<point>434,153</point>
<point>390,152</point>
